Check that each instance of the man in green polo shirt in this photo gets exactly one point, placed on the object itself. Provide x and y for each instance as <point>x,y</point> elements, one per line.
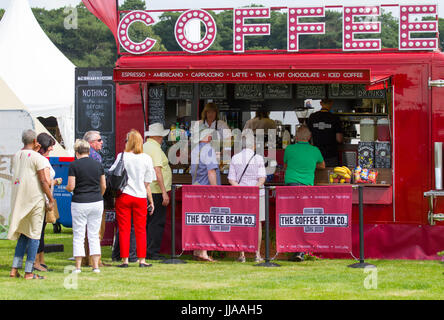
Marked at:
<point>301,159</point>
<point>300,162</point>
<point>155,223</point>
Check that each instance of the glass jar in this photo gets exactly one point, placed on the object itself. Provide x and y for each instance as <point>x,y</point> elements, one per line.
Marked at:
<point>383,130</point>
<point>367,130</point>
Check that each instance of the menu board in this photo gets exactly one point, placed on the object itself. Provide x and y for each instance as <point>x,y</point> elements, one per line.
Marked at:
<point>310,91</point>
<point>213,91</point>
<point>370,94</point>
<point>156,104</point>
<point>342,90</point>
<point>248,91</point>
<point>278,91</point>
<point>180,91</point>
<point>95,108</point>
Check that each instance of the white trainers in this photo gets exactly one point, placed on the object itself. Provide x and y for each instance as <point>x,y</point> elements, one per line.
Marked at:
<point>241,259</point>
<point>96,270</point>
<point>77,271</point>
<point>259,259</point>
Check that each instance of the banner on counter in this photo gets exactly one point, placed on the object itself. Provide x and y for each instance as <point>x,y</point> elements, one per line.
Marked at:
<point>314,219</point>
<point>257,75</point>
<point>221,218</point>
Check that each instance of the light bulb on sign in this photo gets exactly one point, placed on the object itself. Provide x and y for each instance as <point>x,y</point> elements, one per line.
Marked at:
<point>190,41</point>
<point>351,28</point>
<point>123,32</point>
<point>406,11</point>
<point>295,28</point>
<point>240,29</point>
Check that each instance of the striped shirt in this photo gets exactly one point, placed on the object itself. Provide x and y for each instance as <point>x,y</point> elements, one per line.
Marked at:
<point>255,170</point>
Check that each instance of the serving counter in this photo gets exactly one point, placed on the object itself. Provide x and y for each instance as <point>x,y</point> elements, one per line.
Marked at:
<point>379,193</point>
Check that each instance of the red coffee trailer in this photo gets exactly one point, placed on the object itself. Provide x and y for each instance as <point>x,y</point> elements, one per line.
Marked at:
<point>403,86</point>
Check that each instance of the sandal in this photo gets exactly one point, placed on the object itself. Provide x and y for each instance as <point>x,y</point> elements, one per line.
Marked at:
<point>16,275</point>
<point>40,270</point>
<point>46,267</point>
<point>35,276</point>
<point>209,259</point>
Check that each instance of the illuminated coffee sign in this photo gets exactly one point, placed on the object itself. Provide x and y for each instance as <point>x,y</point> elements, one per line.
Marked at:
<point>358,21</point>
<point>123,32</point>
<point>210,31</point>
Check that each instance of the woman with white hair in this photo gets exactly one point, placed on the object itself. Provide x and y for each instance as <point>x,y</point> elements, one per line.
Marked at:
<point>86,179</point>
<point>248,169</point>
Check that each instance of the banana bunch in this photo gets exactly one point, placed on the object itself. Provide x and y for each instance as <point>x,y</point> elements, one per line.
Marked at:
<point>340,175</point>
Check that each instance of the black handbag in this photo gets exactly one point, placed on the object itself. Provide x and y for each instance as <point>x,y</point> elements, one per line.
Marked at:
<point>117,179</point>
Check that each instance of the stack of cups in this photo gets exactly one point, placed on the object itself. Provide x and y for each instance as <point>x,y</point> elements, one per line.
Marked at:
<point>438,165</point>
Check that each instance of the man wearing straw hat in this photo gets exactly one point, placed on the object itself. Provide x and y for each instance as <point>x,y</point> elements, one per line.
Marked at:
<point>156,222</point>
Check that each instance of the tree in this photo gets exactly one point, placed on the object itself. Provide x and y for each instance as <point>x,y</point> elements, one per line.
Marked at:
<point>133,5</point>
<point>441,33</point>
<point>165,30</point>
<point>92,44</point>
<point>389,32</point>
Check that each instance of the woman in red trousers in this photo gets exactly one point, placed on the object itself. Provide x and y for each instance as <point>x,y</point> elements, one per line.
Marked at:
<point>132,201</point>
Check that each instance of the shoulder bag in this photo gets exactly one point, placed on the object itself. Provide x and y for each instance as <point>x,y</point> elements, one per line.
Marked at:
<point>117,179</point>
<point>245,169</point>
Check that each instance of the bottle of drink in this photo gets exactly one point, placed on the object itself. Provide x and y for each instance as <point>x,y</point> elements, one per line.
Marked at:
<point>285,139</point>
<point>177,131</point>
<point>187,129</point>
<point>172,133</point>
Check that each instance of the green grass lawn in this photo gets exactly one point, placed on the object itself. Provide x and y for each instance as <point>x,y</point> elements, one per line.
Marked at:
<point>226,280</point>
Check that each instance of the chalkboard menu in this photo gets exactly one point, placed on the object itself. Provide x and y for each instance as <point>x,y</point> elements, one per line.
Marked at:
<point>278,91</point>
<point>310,91</point>
<point>95,108</point>
<point>248,91</point>
<point>342,90</point>
<point>180,91</point>
<point>156,104</point>
<point>213,91</point>
<point>362,93</point>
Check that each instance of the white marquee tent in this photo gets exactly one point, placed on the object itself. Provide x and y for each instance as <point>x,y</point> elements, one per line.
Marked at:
<point>14,118</point>
<point>35,69</point>
<point>9,101</point>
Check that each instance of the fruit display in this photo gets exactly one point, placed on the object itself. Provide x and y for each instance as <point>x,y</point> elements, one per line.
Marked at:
<point>365,175</point>
<point>340,175</point>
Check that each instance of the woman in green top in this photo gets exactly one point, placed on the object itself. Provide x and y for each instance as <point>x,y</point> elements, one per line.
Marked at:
<point>301,159</point>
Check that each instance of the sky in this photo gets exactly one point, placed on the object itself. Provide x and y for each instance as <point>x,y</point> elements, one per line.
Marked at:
<point>182,4</point>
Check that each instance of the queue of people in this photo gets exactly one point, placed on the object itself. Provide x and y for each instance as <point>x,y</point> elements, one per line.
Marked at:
<point>142,204</point>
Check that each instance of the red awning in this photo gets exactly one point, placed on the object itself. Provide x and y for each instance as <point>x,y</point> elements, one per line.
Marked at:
<point>378,82</point>
<point>246,68</point>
